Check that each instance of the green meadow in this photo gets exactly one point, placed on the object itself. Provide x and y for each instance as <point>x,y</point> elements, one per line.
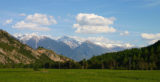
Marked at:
<point>78,75</point>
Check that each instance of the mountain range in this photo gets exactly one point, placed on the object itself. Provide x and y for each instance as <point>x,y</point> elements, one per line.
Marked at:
<point>67,46</point>
<point>12,51</point>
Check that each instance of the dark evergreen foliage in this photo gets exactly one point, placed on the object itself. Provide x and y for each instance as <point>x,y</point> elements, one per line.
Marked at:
<point>147,58</point>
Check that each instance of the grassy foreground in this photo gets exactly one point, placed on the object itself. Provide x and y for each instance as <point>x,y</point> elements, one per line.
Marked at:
<point>78,75</point>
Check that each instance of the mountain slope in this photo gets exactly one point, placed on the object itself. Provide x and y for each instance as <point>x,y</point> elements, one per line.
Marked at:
<point>88,49</point>
<point>52,55</point>
<point>58,47</point>
<point>136,58</point>
<point>67,46</point>
<point>13,51</point>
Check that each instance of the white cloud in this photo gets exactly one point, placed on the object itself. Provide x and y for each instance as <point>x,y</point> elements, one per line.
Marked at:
<point>30,25</point>
<point>125,33</point>
<point>36,22</point>
<point>8,21</point>
<point>41,19</point>
<point>22,14</point>
<point>152,38</point>
<point>91,23</point>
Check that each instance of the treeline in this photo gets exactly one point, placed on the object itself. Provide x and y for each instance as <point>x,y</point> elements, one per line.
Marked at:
<point>46,65</point>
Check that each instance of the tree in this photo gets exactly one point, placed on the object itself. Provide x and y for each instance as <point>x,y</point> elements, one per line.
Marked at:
<point>84,64</point>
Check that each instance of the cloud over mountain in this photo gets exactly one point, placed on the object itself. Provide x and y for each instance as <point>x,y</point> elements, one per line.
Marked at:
<point>36,22</point>
<point>92,23</point>
<point>152,38</point>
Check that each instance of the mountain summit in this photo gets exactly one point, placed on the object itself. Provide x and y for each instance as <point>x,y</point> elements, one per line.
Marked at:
<point>72,43</point>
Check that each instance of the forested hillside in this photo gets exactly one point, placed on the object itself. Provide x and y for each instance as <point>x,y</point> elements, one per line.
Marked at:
<point>147,58</point>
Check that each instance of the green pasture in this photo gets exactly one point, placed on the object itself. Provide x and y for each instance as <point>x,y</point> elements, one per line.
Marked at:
<point>78,75</point>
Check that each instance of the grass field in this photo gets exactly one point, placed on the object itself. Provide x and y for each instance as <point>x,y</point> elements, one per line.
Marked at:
<point>77,75</point>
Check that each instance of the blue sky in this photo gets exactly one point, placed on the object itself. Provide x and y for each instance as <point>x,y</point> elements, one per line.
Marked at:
<point>137,22</point>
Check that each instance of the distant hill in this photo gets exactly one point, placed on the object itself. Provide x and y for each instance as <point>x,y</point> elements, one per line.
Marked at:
<point>12,51</point>
<point>52,55</point>
<point>147,58</point>
<point>67,46</point>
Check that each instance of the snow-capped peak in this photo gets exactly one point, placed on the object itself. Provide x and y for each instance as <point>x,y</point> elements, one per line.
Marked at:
<point>69,41</point>
<point>25,37</point>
